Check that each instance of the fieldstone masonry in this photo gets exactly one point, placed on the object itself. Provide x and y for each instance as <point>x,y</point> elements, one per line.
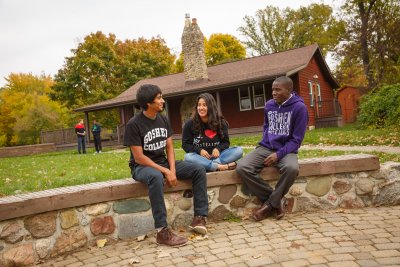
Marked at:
<point>26,240</point>
<point>194,60</point>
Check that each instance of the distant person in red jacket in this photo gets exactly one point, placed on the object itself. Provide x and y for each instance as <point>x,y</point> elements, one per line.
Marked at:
<point>80,133</point>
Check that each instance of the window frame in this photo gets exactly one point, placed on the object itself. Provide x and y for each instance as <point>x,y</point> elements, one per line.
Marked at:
<point>254,97</point>
<point>319,96</point>
<point>311,93</point>
<point>242,98</point>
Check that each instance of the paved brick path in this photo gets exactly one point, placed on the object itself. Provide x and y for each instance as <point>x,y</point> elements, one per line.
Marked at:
<point>359,237</point>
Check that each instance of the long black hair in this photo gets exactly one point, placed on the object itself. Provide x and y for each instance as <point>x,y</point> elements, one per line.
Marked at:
<point>215,118</point>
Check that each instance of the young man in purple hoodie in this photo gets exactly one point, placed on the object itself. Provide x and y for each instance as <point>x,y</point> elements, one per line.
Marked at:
<point>285,123</point>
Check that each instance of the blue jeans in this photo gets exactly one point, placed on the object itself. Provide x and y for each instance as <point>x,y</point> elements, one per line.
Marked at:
<point>154,180</point>
<point>81,144</point>
<point>227,156</point>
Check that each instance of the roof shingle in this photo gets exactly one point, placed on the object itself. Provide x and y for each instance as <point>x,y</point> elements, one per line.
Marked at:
<point>223,75</point>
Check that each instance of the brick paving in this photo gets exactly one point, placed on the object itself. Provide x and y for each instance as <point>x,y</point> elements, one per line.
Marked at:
<point>359,237</point>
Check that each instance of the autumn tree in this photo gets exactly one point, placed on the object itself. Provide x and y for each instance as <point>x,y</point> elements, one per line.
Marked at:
<point>26,109</point>
<point>101,67</point>
<point>273,29</point>
<point>372,40</point>
<point>219,48</point>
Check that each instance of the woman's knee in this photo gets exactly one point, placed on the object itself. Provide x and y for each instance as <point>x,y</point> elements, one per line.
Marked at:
<point>239,150</point>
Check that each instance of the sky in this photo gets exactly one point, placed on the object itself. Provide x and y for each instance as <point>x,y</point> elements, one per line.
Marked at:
<point>37,35</point>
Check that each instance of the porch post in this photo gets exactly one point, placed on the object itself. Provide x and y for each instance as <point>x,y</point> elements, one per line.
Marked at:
<point>218,102</point>
<point>167,110</point>
<point>122,114</point>
<point>87,139</point>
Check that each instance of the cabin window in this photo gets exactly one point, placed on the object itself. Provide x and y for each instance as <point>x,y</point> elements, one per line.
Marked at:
<point>259,96</point>
<point>244,98</point>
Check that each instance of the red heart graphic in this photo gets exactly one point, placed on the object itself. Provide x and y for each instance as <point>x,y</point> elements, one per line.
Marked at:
<point>210,133</point>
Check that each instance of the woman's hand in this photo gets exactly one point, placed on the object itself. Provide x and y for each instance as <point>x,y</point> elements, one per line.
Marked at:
<point>215,153</point>
<point>205,154</point>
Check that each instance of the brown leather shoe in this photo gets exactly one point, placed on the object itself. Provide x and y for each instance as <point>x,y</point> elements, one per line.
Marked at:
<point>279,213</point>
<point>262,213</point>
<point>167,237</point>
<point>199,225</point>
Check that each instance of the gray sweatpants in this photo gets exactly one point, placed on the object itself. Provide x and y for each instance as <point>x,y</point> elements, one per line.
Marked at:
<point>251,165</point>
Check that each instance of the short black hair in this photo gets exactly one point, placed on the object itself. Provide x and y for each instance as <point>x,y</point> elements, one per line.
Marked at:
<point>146,94</point>
<point>287,81</point>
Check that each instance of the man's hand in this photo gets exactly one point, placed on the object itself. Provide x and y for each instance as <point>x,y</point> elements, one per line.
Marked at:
<point>205,154</point>
<point>170,177</point>
<point>271,160</point>
<point>215,153</point>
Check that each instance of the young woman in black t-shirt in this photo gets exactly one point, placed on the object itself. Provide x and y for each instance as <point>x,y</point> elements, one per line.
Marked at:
<point>205,137</point>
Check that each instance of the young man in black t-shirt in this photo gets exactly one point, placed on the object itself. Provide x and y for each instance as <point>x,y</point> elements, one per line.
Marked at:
<point>148,135</point>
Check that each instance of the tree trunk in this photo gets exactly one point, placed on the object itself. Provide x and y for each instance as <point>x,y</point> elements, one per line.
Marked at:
<point>364,15</point>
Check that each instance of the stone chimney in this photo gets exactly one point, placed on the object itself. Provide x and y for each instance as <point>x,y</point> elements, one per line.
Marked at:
<point>194,59</point>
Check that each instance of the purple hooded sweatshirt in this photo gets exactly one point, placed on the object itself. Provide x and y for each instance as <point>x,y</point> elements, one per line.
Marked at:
<point>284,125</point>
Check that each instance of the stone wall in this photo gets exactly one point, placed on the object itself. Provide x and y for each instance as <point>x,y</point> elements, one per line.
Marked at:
<point>26,150</point>
<point>29,239</point>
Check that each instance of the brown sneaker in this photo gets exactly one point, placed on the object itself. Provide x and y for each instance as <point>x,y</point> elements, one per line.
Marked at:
<point>262,213</point>
<point>167,237</point>
<point>279,213</point>
<point>199,225</point>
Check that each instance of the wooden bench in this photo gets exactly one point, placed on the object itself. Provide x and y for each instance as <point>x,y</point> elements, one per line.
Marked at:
<point>80,195</point>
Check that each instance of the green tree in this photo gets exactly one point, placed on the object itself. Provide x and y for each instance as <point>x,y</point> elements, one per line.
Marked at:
<point>102,67</point>
<point>26,109</point>
<point>372,40</point>
<point>220,48</point>
<point>274,29</point>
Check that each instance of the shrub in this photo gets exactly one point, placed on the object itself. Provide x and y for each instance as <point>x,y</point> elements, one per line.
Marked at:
<point>381,108</point>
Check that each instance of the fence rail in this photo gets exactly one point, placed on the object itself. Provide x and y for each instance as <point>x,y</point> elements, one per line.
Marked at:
<point>325,109</point>
<point>68,136</point>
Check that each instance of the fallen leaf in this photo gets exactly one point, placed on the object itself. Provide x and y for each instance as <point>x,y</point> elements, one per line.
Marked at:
<point>101,242</point>
<point>295,245</point>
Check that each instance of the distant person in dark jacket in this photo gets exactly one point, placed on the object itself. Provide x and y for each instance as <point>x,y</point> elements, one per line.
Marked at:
<point>81,133</point>
<point>205,137</point>
<point>96,130</point>
<point>285,123</point>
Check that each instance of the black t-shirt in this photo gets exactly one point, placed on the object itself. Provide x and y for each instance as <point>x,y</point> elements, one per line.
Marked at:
<point>207,139</point>
<point>150,134</point>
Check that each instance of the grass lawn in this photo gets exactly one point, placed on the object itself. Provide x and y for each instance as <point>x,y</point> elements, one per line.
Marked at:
<point>58,169</point>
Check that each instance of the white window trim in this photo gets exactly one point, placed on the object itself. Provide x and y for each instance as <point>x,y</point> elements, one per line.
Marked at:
<point>311,93</point>
<point>315,98</point>
<point>319,95</point>
<point>240,98</point>
<point>254,97</point>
